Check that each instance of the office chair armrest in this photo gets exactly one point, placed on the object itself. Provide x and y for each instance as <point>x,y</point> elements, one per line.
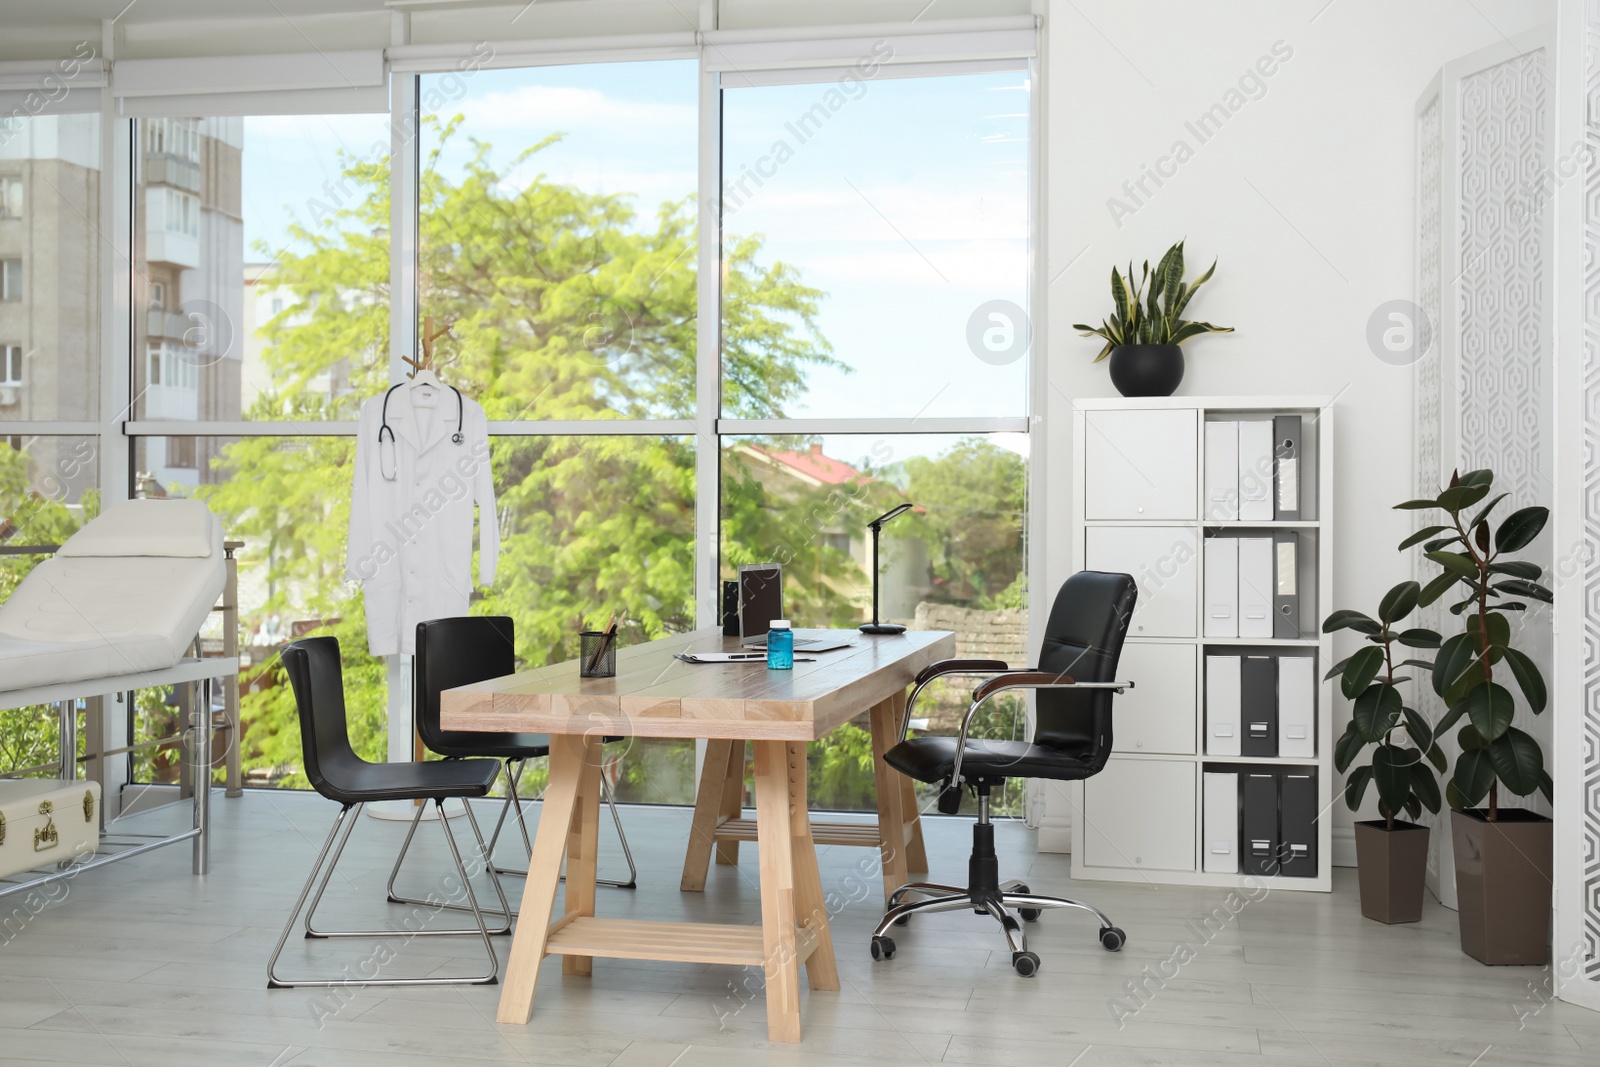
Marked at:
<point>1023,679</point>
<point>1020,679</point>
<point>938,670</point>
<point>960,666</point>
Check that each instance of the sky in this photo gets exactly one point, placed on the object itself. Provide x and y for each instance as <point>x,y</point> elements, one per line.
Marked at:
<point>905,200</point>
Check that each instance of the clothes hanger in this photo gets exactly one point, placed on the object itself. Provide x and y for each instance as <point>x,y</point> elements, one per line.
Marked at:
<point>423,374</point>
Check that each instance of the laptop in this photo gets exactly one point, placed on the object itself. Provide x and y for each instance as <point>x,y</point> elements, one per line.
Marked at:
<point>761,601</point>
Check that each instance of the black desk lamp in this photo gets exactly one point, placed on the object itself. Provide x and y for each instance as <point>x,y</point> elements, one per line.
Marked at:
<point>876,525</point>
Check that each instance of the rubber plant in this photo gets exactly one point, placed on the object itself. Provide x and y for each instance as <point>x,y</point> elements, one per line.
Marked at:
<point>1477,563</point>
<point>1406,775</point>
<point>1152,316</point>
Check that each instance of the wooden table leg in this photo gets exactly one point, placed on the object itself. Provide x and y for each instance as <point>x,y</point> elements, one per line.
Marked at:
<point>732,802</point>
<point>774,845</point>
<point>811,909</point>
<point>544,875</point>
<point>707,806</point>
<point>583,846</point>
<point>916,851</point>
<point>891,818</point>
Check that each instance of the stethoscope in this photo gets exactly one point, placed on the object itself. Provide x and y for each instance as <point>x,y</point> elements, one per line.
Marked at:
<point>391,470</point>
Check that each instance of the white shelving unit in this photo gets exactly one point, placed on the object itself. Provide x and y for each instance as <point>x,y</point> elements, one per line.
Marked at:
<point>1139,507</point>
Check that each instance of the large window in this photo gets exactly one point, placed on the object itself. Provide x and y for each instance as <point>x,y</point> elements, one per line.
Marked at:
<point>261,270</point>
<point>557,237</point>
<point>888,221</point>
<point>261,279</point>
<point>954,562</point>
<point>47,491</point>
<point>52,246</point>
<point>870,348</point>
<point>892,216</point>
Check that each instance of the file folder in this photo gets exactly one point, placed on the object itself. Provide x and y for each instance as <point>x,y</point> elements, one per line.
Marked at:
<point>1286,439</point>
<point>1221,819</point>
<point>1222,586</point>
<point>1255,471</point>
<point>1222,705</point>
<point>1256,587</point>
<point>1299,821</point>
<point>1222,471</point>
<point>1258,703</point>
<point>1286,573</point>
<point>1297,704</point>
<point>1259,822</point>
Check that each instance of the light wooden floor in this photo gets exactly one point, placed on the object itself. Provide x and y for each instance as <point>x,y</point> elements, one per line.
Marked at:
<point>142,964</point>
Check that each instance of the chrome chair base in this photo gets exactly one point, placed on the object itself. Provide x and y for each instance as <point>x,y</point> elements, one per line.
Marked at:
<point>343,824</point>
<point>998,905</point>
<point>987,895</point>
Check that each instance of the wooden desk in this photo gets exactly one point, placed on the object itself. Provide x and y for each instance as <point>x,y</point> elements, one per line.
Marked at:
<point>654,695</point>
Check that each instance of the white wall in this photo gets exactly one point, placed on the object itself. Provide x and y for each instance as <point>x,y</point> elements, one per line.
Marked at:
<point>1305,195</point>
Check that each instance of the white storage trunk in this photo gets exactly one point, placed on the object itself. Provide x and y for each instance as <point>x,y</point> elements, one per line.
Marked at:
<point>44,821</point>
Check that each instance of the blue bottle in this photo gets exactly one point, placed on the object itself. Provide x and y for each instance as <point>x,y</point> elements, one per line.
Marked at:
<point>780,646</point>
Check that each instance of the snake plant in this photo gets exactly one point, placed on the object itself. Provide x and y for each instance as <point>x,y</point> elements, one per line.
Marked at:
<point>1151,312</point>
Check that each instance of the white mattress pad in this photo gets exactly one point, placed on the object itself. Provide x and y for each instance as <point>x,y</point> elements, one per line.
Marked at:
<point>75,618</point>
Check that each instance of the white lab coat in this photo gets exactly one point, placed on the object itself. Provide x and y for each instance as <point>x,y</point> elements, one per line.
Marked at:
<point>411,537</point>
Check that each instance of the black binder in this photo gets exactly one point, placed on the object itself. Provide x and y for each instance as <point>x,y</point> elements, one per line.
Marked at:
<point>1286,585</point>
<point>1258,706</point>
<point>1299,816</point>
<point>1259,825</point>
<point>1287,469</point>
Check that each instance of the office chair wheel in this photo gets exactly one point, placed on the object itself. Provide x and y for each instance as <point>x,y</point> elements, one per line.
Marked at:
<point>1026,964</point>
<point>1112,938</point>
<point>883,948</point>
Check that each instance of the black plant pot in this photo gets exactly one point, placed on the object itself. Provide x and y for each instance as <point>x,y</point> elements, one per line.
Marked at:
<point>1146,370</point>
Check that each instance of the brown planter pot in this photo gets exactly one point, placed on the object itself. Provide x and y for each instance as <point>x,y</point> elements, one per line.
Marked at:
<point>1392,866</point>
<point>1503,880</point>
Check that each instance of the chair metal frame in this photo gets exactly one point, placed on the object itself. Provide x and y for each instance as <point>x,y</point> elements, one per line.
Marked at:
<point>513,802</point>
<point>345,821</point>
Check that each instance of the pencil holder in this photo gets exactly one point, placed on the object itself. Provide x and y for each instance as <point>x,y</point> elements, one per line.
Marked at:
<point>597,654</point>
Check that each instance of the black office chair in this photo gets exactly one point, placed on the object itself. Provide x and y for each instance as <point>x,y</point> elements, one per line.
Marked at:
<point>460,651</point>
<point>340,775</point>
<point>1075,680</point>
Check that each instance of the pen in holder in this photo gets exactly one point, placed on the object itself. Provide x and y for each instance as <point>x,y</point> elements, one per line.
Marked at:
<point>597,654</point>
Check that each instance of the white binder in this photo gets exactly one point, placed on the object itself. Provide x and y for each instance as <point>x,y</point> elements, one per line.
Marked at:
<point>1222,587</point>
<point>1220,831</point>
<point>1297,704</point>
<point>1222,471</point>
<point>1256,587</point>
<point>1255,471</point>
<point>1222,705</point>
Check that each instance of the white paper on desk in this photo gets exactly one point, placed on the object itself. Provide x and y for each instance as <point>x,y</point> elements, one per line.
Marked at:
<point>733,657</point>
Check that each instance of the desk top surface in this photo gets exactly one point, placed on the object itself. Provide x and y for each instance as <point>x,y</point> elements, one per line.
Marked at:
<point>655,695</point>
